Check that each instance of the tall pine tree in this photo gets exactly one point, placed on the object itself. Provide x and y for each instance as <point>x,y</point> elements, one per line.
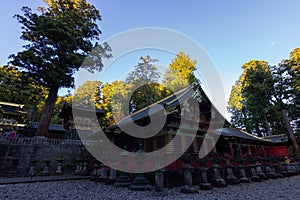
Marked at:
<point>59,38</point>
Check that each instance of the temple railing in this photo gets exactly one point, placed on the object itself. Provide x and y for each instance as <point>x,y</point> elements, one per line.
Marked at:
<point>8,122</point>
<point>4,139</point>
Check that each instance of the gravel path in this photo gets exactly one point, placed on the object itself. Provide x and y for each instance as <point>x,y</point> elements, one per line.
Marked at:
<point>286,188</point>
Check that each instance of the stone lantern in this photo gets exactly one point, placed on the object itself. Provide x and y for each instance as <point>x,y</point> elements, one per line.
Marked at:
<point>32,170</point>
<point>123,180</point>
<point>230,177</point>
<point>242,172</point>
<point>59,166</point>
<point>204,185</point>
<point>159,176</point>
<point>140,182</point>
<point>252,165</point>
<point>217,181</point>
<point>46,171</point>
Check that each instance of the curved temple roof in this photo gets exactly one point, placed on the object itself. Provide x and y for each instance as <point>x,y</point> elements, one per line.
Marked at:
<point>232,132</point>
<point>194,90</point>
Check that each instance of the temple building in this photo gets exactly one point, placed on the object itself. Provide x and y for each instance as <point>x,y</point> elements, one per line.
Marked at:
<point>84,123</point>
<point>180,111</point>
<point>11,116</point>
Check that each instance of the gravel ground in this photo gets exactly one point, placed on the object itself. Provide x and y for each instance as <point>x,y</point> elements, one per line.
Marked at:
<point>286,188</point>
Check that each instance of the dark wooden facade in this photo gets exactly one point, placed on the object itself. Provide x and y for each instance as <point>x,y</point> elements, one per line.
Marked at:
<point>232,142</point>
<point>83,121</point>
<point>11,115</point>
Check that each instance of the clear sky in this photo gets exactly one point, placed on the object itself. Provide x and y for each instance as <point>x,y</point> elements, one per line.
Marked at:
<point>232,32</point>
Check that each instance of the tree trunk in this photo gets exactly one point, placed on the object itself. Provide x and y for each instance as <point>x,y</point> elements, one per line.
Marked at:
<point>246,124</point>
<point>48,112</point>
<point>291,132</point>
<point>267,125</point>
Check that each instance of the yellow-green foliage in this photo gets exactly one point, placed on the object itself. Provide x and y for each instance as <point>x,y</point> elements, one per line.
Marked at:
<point>18,87</point>
<point>89,91</point>
<point>180,72</point>
<point>294,66</point>
<point>236,97</point>
<point>113,96</point>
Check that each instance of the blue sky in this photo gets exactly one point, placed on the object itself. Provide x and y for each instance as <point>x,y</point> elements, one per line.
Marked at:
<point>232,32</point>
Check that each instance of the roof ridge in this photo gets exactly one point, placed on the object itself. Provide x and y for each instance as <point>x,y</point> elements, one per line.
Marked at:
<point>157,102</point>
<point>11,104</point>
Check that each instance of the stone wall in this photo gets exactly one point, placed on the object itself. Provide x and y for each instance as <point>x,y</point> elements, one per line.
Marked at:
<point>15,158</point>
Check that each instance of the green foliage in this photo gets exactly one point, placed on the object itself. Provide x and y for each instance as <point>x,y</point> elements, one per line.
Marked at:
<point>180,72</point>
<point>10,82</point>
<point>145,71</point>
<point>146,95</point>
<point>287,89</point>
<point>113,98</point>
<point>140,89</point>
<point>61,100</point>
<point>236,107</point>
<point>60,39</point>
<point>18,87</point>
<point>294,68</point>
<point>262,92</point>
<point>143,85</point>
<point>88,92</point>
<point>257,87</point>
<point>251,100</point>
